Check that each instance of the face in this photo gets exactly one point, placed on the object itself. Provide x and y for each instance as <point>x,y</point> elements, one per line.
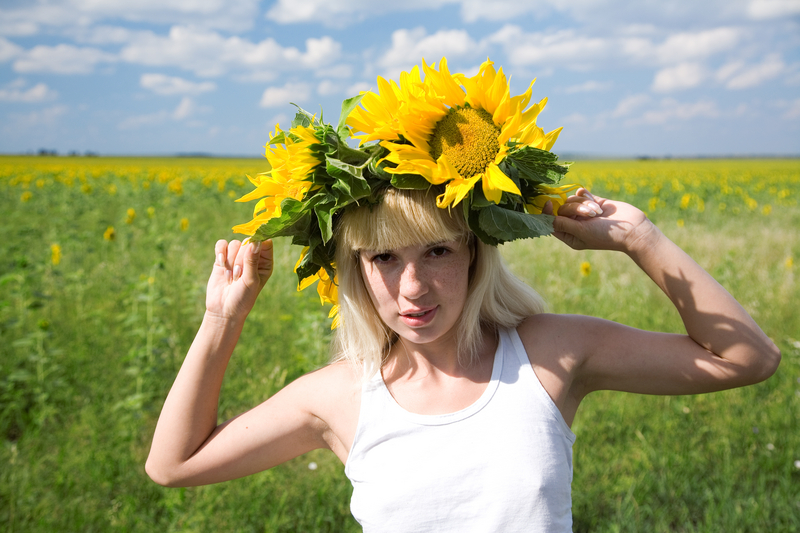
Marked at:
<point>419,291</point>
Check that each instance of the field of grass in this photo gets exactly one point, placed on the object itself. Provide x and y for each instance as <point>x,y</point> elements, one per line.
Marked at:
<point>102,277</point>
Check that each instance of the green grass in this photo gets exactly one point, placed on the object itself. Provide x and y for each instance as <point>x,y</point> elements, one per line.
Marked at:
<point>89,348</point>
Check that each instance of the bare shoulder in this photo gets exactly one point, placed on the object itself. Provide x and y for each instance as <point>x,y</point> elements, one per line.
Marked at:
<point>549,335</point>
<point>555,345</point>
<point>333,395</point>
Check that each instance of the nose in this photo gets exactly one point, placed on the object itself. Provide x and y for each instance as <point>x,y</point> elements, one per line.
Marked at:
<point>412,281</point>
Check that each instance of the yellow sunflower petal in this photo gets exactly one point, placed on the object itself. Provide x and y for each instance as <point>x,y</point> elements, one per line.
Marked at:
<point>456,191</point>
<point>495,182</point>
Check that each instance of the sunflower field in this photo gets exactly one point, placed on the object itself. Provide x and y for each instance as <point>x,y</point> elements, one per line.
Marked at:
<point>102,278</point>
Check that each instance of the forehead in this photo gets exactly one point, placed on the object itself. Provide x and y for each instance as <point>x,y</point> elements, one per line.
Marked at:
<point>403,219</point>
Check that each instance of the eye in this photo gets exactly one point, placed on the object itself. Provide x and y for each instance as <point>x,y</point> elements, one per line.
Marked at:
<point>381,258</point>
<point>439,251</point>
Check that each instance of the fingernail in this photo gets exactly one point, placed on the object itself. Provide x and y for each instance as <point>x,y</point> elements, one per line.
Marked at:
<point>237,271</point>
<point>257,248</point>
<point>220,260</point>
<point>228,276</point>
<point>584,210</point>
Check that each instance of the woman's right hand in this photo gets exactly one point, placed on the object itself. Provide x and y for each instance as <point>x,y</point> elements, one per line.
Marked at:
<point>240,272</point>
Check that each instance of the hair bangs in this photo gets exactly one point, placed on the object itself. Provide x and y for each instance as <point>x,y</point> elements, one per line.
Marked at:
<point>402,219</point>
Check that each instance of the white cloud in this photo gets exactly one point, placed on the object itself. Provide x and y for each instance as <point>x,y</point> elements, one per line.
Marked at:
<point>563,47</point>
<point>793,110</point>
<point>163,84</point>
<point>289,93</point>
<point>770,9</point>
<point>148,119</point>
<point>687,46</point>
<point>327,87</point>
<point>683,76</point>
<point>61,59</point>
<point>359,87</point>
<point>630,104</point>
<point>671,110</point>
<point>410,46</point>
<point>185,109</point>
<point>207,53</point>
<point>738,75</point>
<point>34,17</point>
<point>588,87</point>
<point>43,117</point>
<point>475,10</point>
<point>8,50</point>
<point>16,92</point>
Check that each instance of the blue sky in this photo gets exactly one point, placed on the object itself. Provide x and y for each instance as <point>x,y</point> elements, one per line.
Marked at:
<point>651,77</point>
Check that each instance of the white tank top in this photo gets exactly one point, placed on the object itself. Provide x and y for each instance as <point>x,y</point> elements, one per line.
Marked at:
<point>502,464</point>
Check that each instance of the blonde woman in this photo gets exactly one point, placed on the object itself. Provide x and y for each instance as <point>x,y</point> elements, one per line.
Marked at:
<point>451,394</point>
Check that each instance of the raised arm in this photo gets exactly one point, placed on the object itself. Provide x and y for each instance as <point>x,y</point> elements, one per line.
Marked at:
<point>189,448</point>
<point>723,348</point>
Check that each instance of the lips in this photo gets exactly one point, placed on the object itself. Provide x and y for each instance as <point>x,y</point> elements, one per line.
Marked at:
<point>418,317</point>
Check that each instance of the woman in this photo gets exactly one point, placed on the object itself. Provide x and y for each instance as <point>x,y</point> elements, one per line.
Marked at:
<point>452,395</point>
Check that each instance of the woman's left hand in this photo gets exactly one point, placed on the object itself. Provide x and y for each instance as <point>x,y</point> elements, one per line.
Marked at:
<point>586,221</point>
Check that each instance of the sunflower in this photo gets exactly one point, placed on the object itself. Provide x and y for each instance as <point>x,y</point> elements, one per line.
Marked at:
<point>292,160</point>
<point>452,129</point>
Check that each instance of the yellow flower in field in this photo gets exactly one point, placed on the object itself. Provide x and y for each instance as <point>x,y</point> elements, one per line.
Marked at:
<point>86,188</point>
<point>184,224</point>
<point>26,196</point>
<point>681,223</point>
<point>789,263</point>
<point>110,233</point>
<point>40,183</point>
<point>685,201</point>
<point>131,216</point>
<point>451,128</point>
<point>292,160</point>
<point>586,269</point>
<point>55,254</point>
<point>176,186</point>
<point>767,209</point>
<point>151,212</point>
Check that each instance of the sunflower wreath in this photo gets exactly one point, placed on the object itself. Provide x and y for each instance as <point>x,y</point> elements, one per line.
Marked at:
<point>445,131</point>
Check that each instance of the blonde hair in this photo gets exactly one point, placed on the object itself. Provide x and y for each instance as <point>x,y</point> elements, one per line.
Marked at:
<point>495,298</point>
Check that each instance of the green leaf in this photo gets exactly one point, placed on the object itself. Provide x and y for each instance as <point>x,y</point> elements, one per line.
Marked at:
<point>410,181</point>
<point>535,165</point>
<point>324,214</point>
<point>293,220</point>
<point>475,226</point>
<point>507,225</point>
<point>349,185</point>
<point>278,139</point>
<point>303,118</point>
<point>347,108</point>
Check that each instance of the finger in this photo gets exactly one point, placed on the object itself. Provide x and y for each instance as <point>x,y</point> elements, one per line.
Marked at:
<point>257,263</point>
<point>548,208</point>
<point>220,252</point>
<point>230,260</point>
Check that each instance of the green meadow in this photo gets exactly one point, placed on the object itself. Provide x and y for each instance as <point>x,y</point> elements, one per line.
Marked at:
<point>102,277</point>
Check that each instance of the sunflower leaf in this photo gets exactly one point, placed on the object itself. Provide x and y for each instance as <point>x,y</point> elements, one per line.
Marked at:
<point>347,107</point>
<point>507,225</point>
<point>410,181</point>
<point>475,226</point>
<point>324,214</point>
<point>303,118</point>
<point>536,165</point>
<point>293,220</point>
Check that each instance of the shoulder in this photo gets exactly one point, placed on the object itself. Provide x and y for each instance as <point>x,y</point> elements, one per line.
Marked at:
<point>568,332</point>
<point>332,395</point>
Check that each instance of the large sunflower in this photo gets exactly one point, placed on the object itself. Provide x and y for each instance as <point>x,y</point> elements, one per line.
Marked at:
<point>452,129</point>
